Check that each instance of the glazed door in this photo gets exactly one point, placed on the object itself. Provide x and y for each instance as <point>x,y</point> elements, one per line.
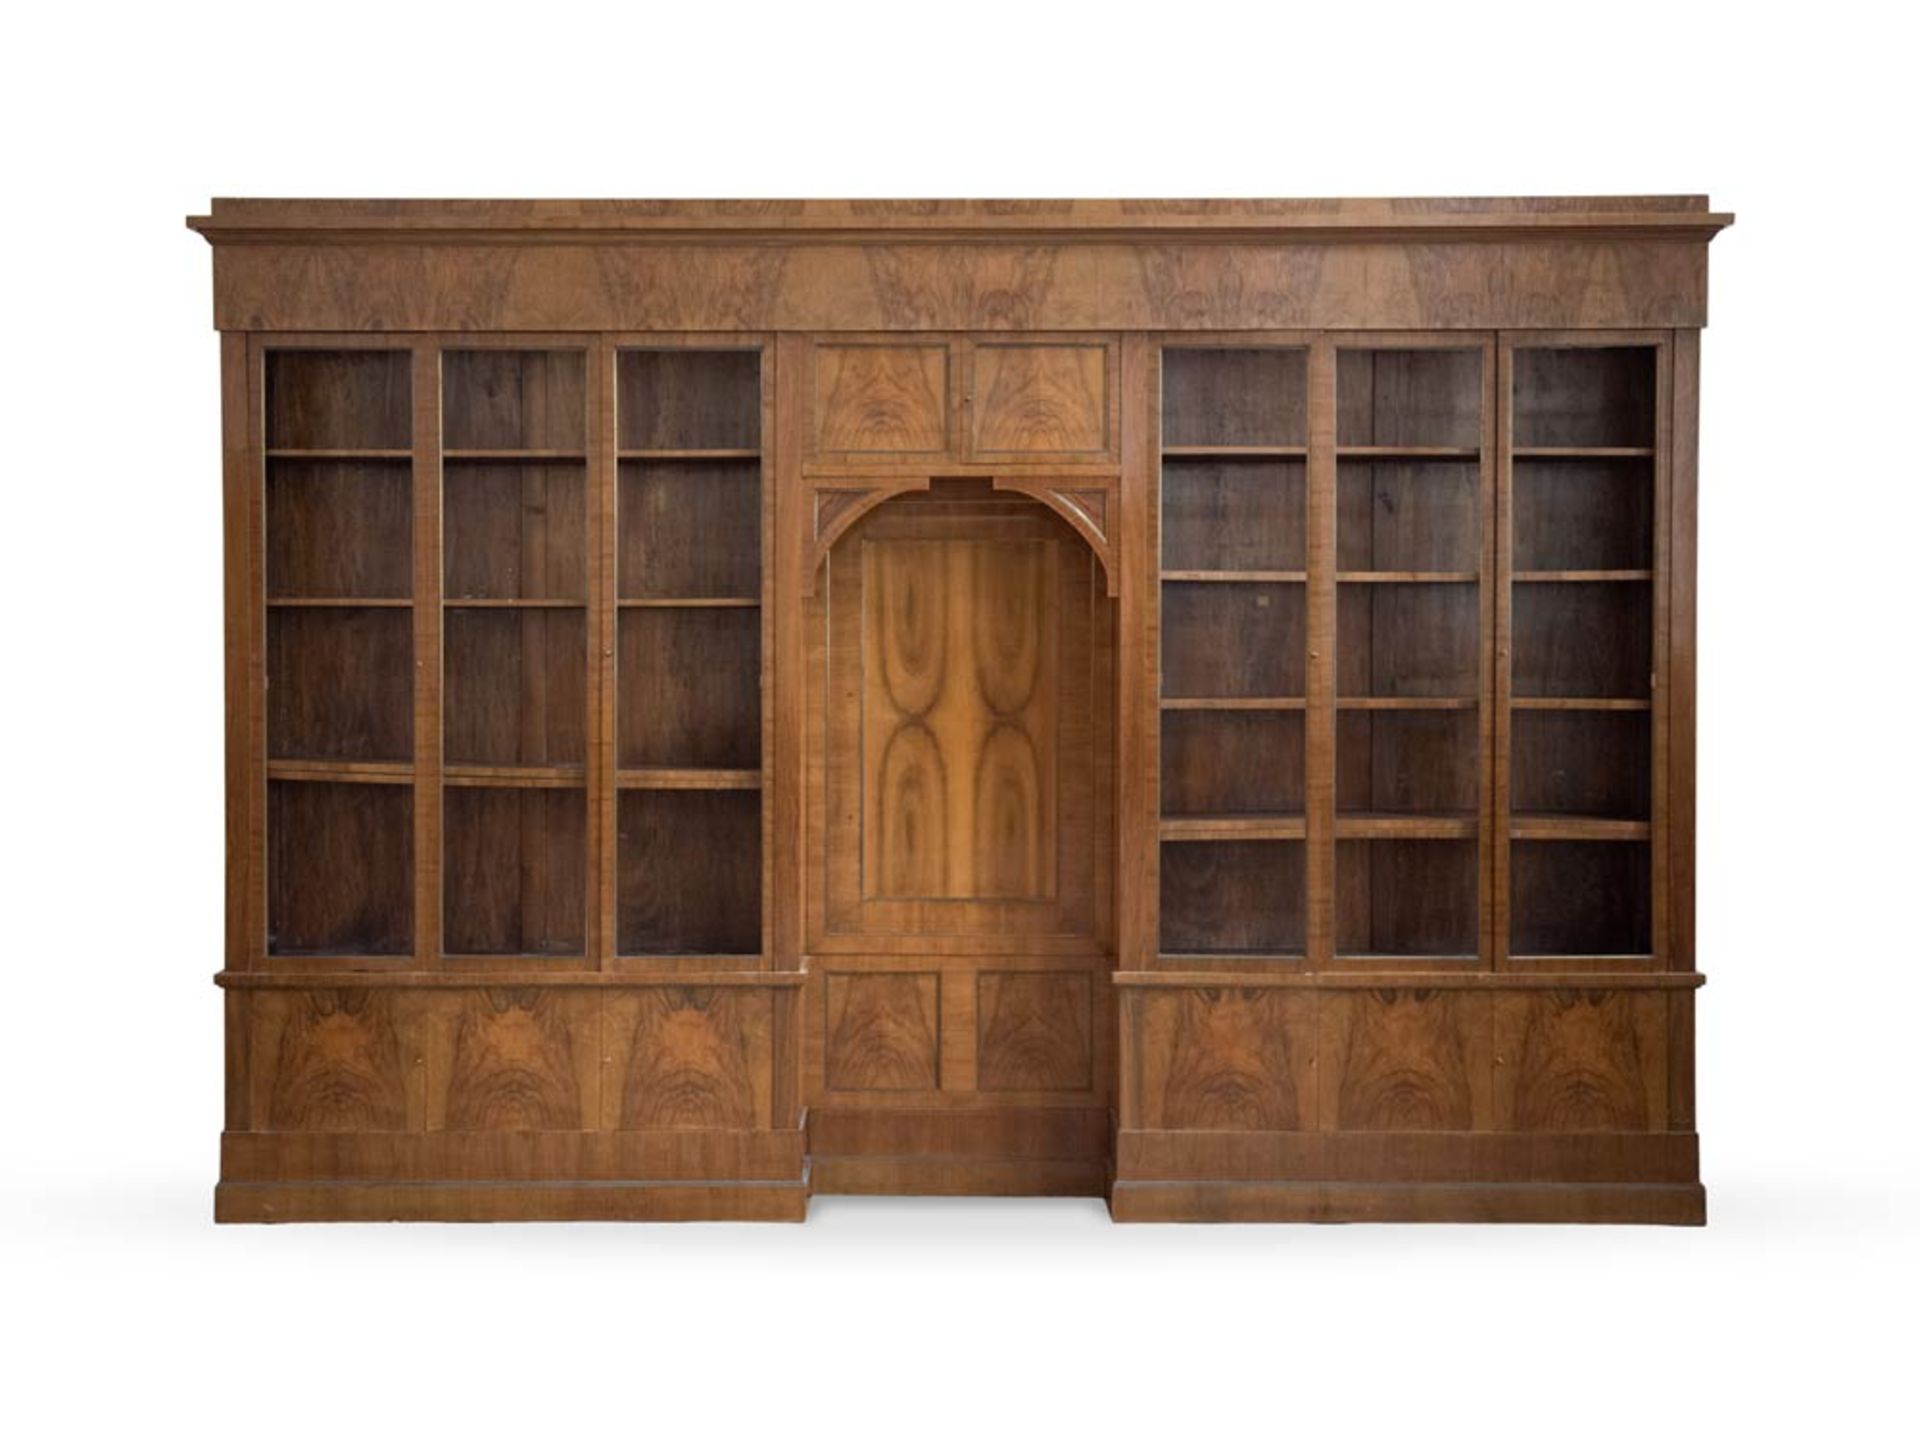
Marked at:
<point>960,823</point>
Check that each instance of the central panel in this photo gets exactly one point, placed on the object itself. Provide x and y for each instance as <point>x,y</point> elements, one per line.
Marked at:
<point>960,847</point>
<point>961,662</point>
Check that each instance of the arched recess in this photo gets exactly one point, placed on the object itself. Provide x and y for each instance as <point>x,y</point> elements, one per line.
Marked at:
<point>1089,505</point>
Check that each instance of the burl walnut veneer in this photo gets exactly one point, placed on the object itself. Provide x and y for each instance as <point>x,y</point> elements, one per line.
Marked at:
<point>1190,702</point>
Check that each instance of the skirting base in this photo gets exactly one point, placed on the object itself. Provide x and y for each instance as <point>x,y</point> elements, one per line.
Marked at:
<point>1336,1202</point>
<point>266,1202</point>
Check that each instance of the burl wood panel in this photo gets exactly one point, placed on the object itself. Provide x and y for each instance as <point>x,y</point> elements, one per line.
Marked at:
<point>883,1031</point>
<point>520,1059</point>
<point>959,661</point>
<point>1214,285</point>
<point>337,1060</point>
<point>960,726</point>
<point>689,1058</point>
<point>880,399</point>
<point>1226,1059</point>
<point>1041,400</point>
<point>1406,1060</point>
<point>1572,1060</point>
<point>1035,1031</point>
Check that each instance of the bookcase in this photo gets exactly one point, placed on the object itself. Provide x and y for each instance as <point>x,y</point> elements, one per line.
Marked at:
<point>1184,702</point>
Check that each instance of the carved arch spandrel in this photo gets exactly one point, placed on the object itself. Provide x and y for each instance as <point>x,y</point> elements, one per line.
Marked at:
<point>835,506</point>
<point>1089,504</point>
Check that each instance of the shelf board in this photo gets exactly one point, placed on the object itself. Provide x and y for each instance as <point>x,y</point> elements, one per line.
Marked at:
<point>343,772</point>
<point>1543,577</point>
<point>689,454</point>
<point>1566,702</point>
<point>1583,452</point>
<point>1533,826</point>
<point>524,456</point>
<point>1407,452</point>
<point>688,778</point>
<point>1234,577</point>
<point>1406,702</point>
<point>338,453</point>
<point>1408,577</point>
<point>1234,702</point>
<point>517,777</point>
<point>688,602</point>
<point>338,602</point>
<point>1233,827</point>
<point>1376,826</point>
<point>1232,452</point>
<point>475,602</point>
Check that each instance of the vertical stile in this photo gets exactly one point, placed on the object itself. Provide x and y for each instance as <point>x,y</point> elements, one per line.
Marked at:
<point>1138,747</point>
<point>602,700</point>
<point>1682,519</point>
<point>785,497</point>
<point>427,679</point>
<point>1322,604</point>
<point>769,378</point>
<point>1502,651</point>
<point>1491,512</point>
<point>1662,574</point>
<point>242,400</point>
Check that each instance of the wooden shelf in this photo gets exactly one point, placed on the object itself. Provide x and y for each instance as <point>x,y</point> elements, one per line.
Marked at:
<point>1406,702</point>
<point>718,454</point>
<point>1232,452</point>
<point>453,602</point>
<point>517,777</point>
<point>1405,827</point>
<point>1583,452</point>
<point>689,602</point>
<point>1234,577</point>
<point>687,778</point>
<point>1234,702</point>
<point>336,453</point>
<point>1407,452</point>
<point>344,772</point>
<point>1408,577</point>
<point>338,602</point>
<point>515,456</point>
<point>1557,702</point>
<point>1576,827</point>
<point>1233,827</point>
<point>1556,577</point>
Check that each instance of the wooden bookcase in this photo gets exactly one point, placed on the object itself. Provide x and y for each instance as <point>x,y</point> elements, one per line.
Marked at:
<point>1191,703</point>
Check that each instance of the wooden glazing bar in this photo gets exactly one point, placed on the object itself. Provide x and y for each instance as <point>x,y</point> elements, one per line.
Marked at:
<point>1682,629</point>
<point>602,673</point>
<point>1322,609</point>
<point>427,739</point>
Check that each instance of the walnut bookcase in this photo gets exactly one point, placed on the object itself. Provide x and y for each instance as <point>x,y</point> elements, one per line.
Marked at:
<point>1188,702</point>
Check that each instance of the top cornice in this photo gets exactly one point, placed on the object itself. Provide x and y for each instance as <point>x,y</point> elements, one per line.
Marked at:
<point>242,221</point>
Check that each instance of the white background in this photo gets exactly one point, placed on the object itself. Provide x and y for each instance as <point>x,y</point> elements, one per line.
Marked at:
<point>913,1317</point>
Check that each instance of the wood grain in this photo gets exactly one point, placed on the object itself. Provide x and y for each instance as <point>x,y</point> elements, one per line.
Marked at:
<point>1232,1059</point>
<point>1573,1060</point>
<point>1035,1031</point>
<point>513,1060</point>
<point>880,399</point>
<point>960,725</point>
<point>1406,1060</point>
<point>687,1058</point>
<point>1040,400</point>
<point>349,1060</point>
<point>883,1031</point>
